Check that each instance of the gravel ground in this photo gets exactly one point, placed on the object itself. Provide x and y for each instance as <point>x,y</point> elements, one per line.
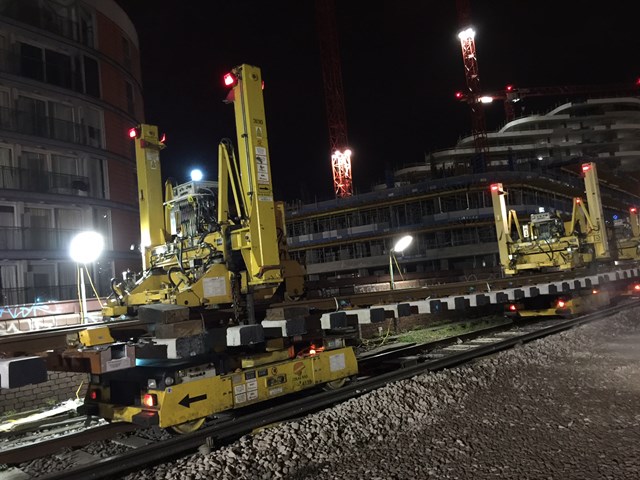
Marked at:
<point>565,407</point>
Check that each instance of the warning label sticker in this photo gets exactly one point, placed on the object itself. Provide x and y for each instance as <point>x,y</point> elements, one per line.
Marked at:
<point>336,362</point>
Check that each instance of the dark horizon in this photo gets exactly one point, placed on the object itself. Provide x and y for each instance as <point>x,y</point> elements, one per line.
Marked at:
<point>401,66</point>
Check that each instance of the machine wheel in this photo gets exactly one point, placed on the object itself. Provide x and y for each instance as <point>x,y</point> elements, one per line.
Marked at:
<point>335,384</point>
<point>187,427</point>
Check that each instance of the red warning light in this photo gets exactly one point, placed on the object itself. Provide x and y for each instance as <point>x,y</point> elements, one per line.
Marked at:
<point>586,167</point>
<point>229,79</point>
<point>93,395</point>
<point>458,95</point>
<point>578,201</point>
<point>633,210</point>
<point>512,307</point>
<point>636,287</point>
<point>561,303</point>
<point>509,88</point>
<point>164,138</point>
<point>494,187</point>
<point>150,400</point>
<point>134,133</point>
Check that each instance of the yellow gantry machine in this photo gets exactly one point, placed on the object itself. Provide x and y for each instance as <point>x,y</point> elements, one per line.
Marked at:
<point>196,252</point>
<point>546,242</point>
<point>205,245</point>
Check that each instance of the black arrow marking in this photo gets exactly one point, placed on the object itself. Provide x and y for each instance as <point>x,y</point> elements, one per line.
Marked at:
<point>186,401</point>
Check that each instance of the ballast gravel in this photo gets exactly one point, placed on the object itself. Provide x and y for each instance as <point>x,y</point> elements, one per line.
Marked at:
<point>565,407</point>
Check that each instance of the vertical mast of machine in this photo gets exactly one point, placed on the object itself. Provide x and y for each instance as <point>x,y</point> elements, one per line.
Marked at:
<point>152,227</point>
<point>598,234</point>
<point>257,237</point>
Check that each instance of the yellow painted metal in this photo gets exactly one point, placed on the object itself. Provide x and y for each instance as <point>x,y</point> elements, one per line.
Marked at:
<point>502,224</point>
<point>189,401</point>
<point>95,336</point>
<point>597,236</point>
<point>257,239</point>
<point>152,228</point>
<point>265,358</point>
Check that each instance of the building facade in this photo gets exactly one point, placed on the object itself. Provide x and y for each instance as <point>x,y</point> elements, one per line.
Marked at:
<point>70,88</point>
<point>445,202</point>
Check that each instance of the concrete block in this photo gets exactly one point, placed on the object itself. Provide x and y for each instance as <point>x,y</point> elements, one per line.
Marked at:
<point>333,320</point>
<point>20,371</point>
<point>518,293</point>
<point>461,303</point>
<point>287,328</point>
<point>377,314</point>
<point>404,310</point>
<point>241,335</point>
<point>183,347</point>
<point>163,313</point>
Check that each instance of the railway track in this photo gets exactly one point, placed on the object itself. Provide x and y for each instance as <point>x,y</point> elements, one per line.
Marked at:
<point>379,369</point>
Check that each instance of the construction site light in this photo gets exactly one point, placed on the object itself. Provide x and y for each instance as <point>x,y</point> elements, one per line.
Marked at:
<point>467,34</point>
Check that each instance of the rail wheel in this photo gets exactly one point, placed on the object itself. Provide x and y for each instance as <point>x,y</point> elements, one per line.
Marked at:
<point>335,384</point>
<point>187,427</point>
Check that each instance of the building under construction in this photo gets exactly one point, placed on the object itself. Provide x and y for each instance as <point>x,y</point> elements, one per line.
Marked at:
<point>447,207</point>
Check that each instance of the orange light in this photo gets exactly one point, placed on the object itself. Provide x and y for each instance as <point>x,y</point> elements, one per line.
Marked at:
<point>133,133</point>
<point>229,79</point>
<point>561,304</point>
<point>150,400</point>
<point>586,167</point>
<point>512,307</point>
<point>594,291</point>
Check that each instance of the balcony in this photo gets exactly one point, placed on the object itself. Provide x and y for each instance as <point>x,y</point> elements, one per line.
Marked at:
<point>35,238</point>
<point>27,123</point>
<point>28,12</point>
<point>44,182</point>
<point>26,295</point>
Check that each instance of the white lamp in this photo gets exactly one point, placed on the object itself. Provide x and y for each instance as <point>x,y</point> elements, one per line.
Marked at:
<point>85,248</point>
<point>399,247</point>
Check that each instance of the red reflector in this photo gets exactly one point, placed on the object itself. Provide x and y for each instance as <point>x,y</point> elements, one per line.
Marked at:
<point>512,307</point>
<point>561,304</point>
<point>150,400</point>
<point>93,395</point>
<point>229,79</point>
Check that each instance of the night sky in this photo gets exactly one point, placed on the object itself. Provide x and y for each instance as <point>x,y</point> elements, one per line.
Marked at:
<point>401,66</point>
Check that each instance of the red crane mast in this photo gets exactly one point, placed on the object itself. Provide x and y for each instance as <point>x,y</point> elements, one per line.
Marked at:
<point>334,98</point>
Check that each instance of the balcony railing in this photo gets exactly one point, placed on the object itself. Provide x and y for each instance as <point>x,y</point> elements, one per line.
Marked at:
<point>34,238</point>
<point>49,127</point>
<point>21,296</point>
<point>44,182</point>
<point>27,12</point>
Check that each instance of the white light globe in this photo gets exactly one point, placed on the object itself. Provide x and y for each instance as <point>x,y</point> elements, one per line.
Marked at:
<point>86,247</point>
<point>196,175</point>
<point>403,243</point>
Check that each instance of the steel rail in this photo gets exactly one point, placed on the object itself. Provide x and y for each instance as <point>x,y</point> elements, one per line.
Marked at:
<point>113,467</point>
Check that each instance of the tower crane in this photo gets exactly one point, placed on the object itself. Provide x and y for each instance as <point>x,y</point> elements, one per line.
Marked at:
<point>512,95</point>
<point>473,96</point>
<point>334,98</point>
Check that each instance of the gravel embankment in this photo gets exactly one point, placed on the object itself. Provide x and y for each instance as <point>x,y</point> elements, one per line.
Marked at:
<point>565,407</point>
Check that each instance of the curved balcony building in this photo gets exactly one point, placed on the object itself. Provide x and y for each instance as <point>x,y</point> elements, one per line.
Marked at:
<point>70,88</point>
<point>445,202</point>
